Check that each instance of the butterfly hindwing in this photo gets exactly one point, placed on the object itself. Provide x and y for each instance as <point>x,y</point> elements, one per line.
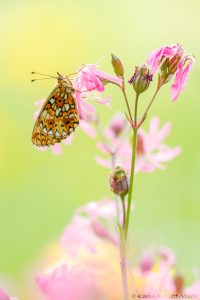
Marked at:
<point>58,117</point>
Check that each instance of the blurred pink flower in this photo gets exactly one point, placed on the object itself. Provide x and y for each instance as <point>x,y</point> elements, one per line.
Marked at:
<point>4,296</point>
<point>162,254</point>
<point>167,256</point>
<point>175,61</point>
<point>151,151</point>
<point>159,276</point>
<point>113,140</point>
<point>63,283</point>
<point>91,277</point>
<point>90,223</point>
<point>193,290</point>
<point>116,126</point>
<point>146,261</point>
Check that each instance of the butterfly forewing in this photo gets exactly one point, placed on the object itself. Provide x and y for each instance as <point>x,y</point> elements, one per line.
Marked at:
<point>58,117</point>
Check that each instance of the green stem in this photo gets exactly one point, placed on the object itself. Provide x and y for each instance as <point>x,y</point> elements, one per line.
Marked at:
<point>149,106</point>
<point>134,147</point>
<point>127,104</point>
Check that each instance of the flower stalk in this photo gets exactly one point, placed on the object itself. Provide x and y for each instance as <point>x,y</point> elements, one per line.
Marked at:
<point>132,175</point>
<point>123,263</point>
<point>123,211</point>
<point>127,105</point>
<point>149,106</point>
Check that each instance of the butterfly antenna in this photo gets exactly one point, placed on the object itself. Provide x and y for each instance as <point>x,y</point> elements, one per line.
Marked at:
<point>36,79</point>
<point>44,75</point>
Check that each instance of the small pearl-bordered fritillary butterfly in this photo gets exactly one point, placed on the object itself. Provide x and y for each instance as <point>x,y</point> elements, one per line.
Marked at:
<point>58,117</point>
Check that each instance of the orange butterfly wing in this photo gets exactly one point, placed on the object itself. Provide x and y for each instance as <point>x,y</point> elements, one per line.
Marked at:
<point>58,117</point>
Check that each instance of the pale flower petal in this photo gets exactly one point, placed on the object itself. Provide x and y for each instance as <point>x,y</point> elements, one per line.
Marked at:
<point>90,222</point>
<point>3,295</point>
<point>63,283</point>
<point>151,151</point>
<point>88,128</point>
<point>69,139</point>
<point>57,149</point>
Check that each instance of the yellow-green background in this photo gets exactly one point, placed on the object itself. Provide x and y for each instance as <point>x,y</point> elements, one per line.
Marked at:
<point>39,191</point>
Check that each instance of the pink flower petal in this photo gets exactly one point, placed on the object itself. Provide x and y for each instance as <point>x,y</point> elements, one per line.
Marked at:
<point>39,102</point>
<point>194,290</point>
<point>63,283</point>
<point>57,149</point>
<point>104,148</point>
<point>69,139</point>
<point>181,79</point>
<point>88,128</point>
<point>78,234</point>
<point>103,162</point>
<point>3,295</point>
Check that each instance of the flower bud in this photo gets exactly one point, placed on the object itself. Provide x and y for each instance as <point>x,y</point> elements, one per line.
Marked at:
<point>141,79</point>
<point>117,66</point>
<point>119,181</point>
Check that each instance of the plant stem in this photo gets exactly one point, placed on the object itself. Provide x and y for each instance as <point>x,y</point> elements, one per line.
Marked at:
<point>134,147</point>
<point>149,106</point>
<point>124,277</point>
<point>124,211</point>
<point>123,264</point>
<point>127,104</point>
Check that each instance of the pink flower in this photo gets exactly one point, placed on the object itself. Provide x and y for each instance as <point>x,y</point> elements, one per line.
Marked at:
<point>172,60</point>
<point>90,79</point>
<point>4,296</point>
<point>90,223</point>
<point>151,151</point>
<point>162,254</point>
<point>113,139</point>
<point>63,283</point>
<point>193,290</point>
<point>116,126</point>
<point>146,261</point>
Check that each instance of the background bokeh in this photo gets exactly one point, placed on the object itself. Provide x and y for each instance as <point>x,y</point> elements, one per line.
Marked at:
<point>39,191</point>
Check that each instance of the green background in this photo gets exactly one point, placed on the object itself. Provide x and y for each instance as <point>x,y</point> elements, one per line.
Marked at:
<point>39,191</point>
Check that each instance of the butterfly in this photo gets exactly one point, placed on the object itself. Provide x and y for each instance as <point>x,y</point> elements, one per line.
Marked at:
<point>58,117</point>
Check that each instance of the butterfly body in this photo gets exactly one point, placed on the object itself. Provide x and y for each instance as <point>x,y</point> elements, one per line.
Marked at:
<point>58,117</point>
